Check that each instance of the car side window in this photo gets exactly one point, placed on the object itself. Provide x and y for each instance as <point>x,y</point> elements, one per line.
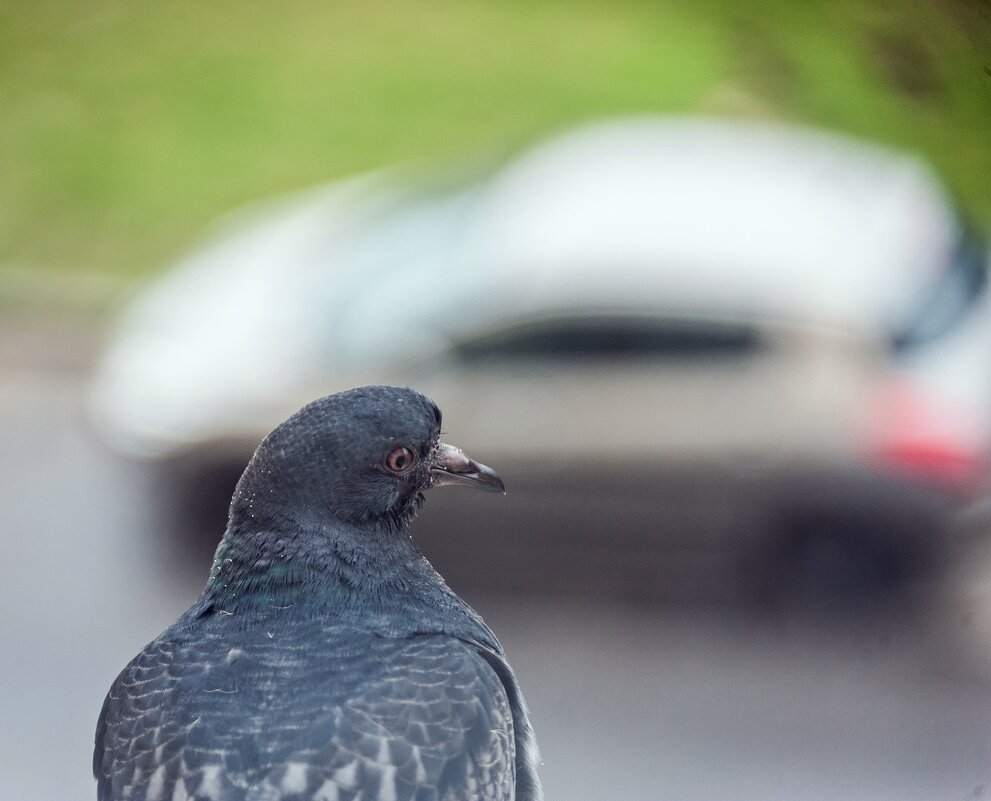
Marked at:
<point>946,302</point>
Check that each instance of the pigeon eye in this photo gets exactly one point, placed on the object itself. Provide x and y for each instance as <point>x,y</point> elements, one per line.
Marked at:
<point>400,460</point>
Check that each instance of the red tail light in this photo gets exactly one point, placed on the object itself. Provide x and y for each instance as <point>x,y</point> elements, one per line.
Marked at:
<point>922,437</point>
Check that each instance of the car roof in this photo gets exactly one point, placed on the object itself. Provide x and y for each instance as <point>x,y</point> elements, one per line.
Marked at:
<point>685,217</point>
<point>717,215</point>
<point>679,216</point>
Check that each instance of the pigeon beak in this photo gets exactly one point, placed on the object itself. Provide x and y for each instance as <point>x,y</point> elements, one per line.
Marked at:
<point>450,465</point>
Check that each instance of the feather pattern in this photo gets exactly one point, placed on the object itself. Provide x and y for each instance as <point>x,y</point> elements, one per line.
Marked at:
<point>305,710</point>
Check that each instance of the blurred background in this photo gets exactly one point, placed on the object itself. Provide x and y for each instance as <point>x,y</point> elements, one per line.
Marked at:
<point>708,286</point>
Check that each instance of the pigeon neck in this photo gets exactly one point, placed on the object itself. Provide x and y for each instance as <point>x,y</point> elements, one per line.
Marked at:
<point>332,568</point>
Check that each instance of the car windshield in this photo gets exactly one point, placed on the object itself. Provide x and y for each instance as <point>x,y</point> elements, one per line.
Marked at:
<point>613,337</point>
<point>950,297</point>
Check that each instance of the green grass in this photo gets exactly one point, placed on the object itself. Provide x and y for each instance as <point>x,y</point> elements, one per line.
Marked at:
<point>125,127</point>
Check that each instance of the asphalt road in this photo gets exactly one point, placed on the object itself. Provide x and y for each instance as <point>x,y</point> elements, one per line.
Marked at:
<point>630,702</point>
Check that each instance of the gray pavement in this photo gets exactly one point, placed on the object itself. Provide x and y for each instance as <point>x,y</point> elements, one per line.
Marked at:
<point>635,703</point>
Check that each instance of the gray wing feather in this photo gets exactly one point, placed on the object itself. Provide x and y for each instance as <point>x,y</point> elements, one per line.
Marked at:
<point>423,719</point>
<point>527,754</point>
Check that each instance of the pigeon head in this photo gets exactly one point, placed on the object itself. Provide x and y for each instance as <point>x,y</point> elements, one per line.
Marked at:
<point>364,457</point>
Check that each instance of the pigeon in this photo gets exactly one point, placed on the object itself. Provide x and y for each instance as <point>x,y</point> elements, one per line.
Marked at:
<point>326,660</point>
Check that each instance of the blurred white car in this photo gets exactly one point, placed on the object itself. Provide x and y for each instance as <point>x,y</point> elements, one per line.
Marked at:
<point>706,330</point>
